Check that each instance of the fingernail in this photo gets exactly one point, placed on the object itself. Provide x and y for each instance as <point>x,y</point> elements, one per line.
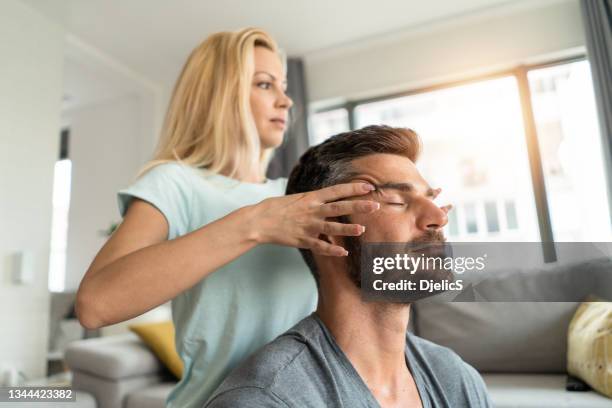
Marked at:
<point>368,187</point>
<point>339,252</point>
<point>345,253</point>
<point>362,229</point>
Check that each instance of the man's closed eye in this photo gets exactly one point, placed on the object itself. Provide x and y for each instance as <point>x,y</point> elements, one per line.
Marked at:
<point>396,203</point>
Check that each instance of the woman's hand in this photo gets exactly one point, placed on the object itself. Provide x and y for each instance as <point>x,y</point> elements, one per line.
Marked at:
<point>298,220</point>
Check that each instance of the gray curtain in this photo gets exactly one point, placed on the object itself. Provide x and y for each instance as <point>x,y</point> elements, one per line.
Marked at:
<point>597,18</point>
<point>296,138</point>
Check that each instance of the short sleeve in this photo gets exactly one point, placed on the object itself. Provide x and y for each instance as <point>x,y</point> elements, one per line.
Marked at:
<point>167,188</point>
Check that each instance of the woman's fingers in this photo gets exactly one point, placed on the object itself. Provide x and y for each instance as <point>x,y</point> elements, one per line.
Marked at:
<point>345,190</point>
<point>339,229</point>
<point>321,247</point>
<point>338,208</point>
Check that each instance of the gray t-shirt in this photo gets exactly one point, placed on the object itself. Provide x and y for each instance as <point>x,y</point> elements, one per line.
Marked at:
<point>304,367</point>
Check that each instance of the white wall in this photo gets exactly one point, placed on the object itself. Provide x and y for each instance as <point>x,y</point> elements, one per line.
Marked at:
<point>30,96</point>
<point>109,143</point>
<point>444,51</point>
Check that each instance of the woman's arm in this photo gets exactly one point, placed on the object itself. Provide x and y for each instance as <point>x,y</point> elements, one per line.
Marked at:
<point>138,269</point>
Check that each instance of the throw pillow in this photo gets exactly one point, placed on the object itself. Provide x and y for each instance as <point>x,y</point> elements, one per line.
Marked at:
<point>589,345</point>
<point>159,337</point>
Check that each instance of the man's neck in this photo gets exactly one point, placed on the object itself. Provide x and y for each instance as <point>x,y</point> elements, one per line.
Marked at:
<point>372,335</point>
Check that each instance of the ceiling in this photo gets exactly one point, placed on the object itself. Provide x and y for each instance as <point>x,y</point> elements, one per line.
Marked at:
<point>153,37</point>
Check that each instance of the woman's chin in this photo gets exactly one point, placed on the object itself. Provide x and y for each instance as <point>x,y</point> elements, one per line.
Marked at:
<point>272,141</point>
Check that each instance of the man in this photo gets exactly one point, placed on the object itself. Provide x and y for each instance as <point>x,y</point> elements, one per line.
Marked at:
<point>351,353</point>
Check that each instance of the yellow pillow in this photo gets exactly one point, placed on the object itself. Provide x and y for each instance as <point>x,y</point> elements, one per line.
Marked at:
<point>159,337</point>
<point>589,345</point>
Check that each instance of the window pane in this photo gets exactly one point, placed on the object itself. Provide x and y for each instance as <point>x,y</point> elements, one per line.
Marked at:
<point>453,224</point>
<point>328,123</point>
<point>474,149</point>
<point>491,214</point>
<point>511,218</point>
<point>471,224</point>
<point>59,225</point>
<point>570,146</point>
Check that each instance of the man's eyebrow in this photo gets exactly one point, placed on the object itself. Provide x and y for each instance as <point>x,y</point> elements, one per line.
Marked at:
<point>270,75</point>
<point>404,187</point>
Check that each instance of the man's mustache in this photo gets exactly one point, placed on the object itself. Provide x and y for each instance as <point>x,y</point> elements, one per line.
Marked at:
<point>430,242</point>
<point>430,236</point>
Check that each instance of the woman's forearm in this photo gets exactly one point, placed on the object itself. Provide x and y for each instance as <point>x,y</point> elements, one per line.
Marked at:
<point>151,276</point>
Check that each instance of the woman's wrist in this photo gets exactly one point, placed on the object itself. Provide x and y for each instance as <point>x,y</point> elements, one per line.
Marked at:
<point>249,218</point>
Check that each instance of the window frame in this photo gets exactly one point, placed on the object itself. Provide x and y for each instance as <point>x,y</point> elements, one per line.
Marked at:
<point>520,73</point>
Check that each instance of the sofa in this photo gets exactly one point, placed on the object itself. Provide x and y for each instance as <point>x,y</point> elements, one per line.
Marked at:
<point>519,347</point>
<point>119,371</point>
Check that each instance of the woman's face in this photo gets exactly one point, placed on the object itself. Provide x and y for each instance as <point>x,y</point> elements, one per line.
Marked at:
<point>269,103</point>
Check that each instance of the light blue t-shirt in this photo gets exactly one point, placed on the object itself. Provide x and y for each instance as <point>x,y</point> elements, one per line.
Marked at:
<point>238,308</point>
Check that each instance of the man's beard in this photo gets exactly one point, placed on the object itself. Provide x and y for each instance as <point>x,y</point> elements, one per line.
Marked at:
<point>354,244</point>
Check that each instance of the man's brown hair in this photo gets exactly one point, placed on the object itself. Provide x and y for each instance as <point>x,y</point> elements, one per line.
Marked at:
<point>329,163</point>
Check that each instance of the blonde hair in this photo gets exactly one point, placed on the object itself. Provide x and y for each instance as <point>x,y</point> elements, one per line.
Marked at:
<point>209,121</point>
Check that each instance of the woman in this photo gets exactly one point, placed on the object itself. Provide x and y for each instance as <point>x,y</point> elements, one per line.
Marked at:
<point>199,222</point>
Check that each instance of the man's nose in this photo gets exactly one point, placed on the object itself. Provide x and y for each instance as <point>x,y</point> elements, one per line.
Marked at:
<point>431,217</point>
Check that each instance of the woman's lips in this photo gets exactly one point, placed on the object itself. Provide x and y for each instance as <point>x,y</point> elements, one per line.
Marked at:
<point>278,122</point>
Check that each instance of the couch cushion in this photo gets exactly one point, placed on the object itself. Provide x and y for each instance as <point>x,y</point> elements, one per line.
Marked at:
<point>539,391</point>
<point>556,282</point>
<point>113,357</point>
<point>501,336</point>
<point>516,336</point>
<point>150,397</point>
<point>159,337</point>
<point>112,393</point>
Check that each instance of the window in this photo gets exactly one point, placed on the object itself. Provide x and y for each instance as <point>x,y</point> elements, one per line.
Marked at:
<point>491,213</point>
<point>59,223</point>
<point>476,149</point>
<point>570,147</point>
<point>328,123</point>
<point>471,224</point>
<point>453,223</point>
<point>511,219</point>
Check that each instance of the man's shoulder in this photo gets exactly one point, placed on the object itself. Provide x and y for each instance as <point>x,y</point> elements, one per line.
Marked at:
<point>277,363</point>
<point>264,367</point>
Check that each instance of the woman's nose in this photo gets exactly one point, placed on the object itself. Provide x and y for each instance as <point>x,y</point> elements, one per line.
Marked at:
<point>284,101</point>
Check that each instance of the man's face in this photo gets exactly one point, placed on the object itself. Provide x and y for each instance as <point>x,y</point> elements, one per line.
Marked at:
<point>407,210</point>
